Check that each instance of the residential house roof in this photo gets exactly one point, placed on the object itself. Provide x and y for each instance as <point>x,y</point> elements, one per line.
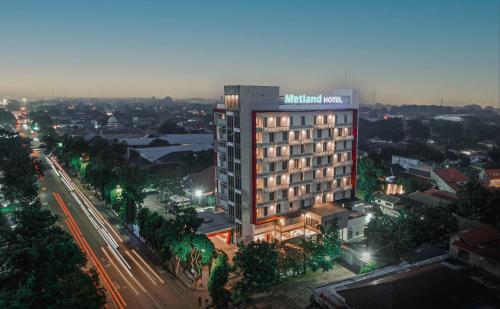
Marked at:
<point>493,173</point>
<point>452,176</point>
<point>483,241</point>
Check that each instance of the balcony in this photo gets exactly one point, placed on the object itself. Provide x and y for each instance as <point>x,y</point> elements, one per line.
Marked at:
<point>323,179</point>
<point>324,153</point>
<point>299,169</point>
<point>274,159</point>
<point>220,147</point>
<point>337,150</point>
<point>324,125</point>
<point>344,138</point>
<point>221,174</point>
<point>275,129</point>
<point>342,163</point>
<point>221,201</point>
<point>301,141</point>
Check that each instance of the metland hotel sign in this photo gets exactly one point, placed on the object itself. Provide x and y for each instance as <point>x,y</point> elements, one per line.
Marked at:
<point>318,99</point>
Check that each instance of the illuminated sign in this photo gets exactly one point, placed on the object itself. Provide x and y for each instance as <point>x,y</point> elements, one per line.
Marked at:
<point>305,99</point>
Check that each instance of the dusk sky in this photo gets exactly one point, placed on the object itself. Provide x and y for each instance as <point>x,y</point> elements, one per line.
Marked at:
<point>404,51</point>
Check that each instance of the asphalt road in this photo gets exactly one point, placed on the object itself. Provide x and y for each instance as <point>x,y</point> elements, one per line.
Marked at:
<point>130,273</point>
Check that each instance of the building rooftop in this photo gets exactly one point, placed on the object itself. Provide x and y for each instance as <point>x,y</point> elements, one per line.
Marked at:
<point>483,240</point>
<point>213,222</point>
<point>203,180</point>
<point>153,154</point>
<point>388,198</point>
<point>432,285</point>
<point>451,174</point>
<point>182,139</point>
<point>444,195</point>
<point>325,209</point>
<point>425,199</point>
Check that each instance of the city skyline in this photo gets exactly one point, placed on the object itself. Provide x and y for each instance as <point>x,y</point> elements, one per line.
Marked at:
<point>396,53</point>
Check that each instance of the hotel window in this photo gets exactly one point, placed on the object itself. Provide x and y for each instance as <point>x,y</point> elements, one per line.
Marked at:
<point>237,122</point>
<point>278,208</point>
<point>345,118</point>
<point>349,156</point>
<point>296,135</point>
<point>325,119</point>
<point>329,185</point>
<point>296,163</point>
<point>318,187</point>
<point>265,152</point>
<point>271,196</point>
<point>324,146</point>
<point>308,134</point>
<point>238,183</point>
<point>264,180</point>
<point>343,170</point>
<point>318,160</point>
<point>284,193</point>
<point>265,211</point>
<point>278,180</point>
<point>339,132</point>
<point>339,182</point>
<point>271,167</point>
<point>285,136</point>
<point>345,144</point>
<point>349,131</point>
<point>329,132</point>
<point>323,198</point>
<point>308,161</point>
<point>278,121</point>
<point>291,120</point>
<point>271,137</point>
<point>330,157</point>
<point>237,138</point>
<point>314,119</point>
<point>237,152</point>
<point>301,176</point>
<point>339,157</point>
<point>302,148</point>
<point>291,150</point>
<point>308,188</point>
<point>324,172</point>
<point>278,151</point>
<point>265,122</point>
<point>284,165</point>
<point>319,133</point>
<point>302,203</point>
<point>303,120</point>
<point>295,191</point>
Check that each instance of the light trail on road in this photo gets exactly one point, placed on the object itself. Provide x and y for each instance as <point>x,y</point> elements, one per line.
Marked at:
<point>78,236</point>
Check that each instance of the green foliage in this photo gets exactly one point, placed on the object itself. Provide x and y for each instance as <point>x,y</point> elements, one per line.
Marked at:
<point>369,173</point>
<point>18,175</point>
<point>258,263</point>
<point>320,251</point>
<point>217,281</point>
<point>40,265</point>
<point>478,203</point>
<point>368,268</point>
<point>418,225</point>
<point>7,119</point>
<point>418,130</point>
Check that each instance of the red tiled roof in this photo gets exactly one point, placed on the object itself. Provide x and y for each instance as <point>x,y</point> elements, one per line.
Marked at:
<point>450,175</point>
<point>493,173</point>
<point>483,240</point>
<point>441,194</point>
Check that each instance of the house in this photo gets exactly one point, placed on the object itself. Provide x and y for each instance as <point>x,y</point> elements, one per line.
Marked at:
<point>478,246</point>
<point>413,166</point>
<point>490,177</point>
<point>389,204</point>
<point>355,226</point>
<point>421,198</point>
<point>448,179</point>
<point>201,183</point>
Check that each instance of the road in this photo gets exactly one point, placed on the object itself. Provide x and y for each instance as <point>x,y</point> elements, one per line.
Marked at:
<point>130,273</point>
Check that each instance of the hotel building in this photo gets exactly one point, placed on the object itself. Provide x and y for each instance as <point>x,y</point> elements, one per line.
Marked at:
<point>284,164</point>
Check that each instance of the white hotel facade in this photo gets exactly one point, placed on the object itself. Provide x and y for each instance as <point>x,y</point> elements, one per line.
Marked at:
<point>284,164</point>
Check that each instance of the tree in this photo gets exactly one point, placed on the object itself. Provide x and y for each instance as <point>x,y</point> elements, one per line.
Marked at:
<point>418,130</point>
<point>473,197</point>
<point>369,173</point>
<point>368,268</point>
<point>217,281</point>
<point>7,119</point>
<point>429,223</point>
<point>258,263</point>
<point>320,251</point>
<point>41,266</point>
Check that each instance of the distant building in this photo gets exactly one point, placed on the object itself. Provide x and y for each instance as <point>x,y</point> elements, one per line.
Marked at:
<point>201,183</point>
<point>490,177</point>
<point>155,155</point>
<point>479,246</point>
<point>453,118</point>
<point>113,123</point>
<point>413,166</point>
<point>356,224</point>
<point>448,179</point>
